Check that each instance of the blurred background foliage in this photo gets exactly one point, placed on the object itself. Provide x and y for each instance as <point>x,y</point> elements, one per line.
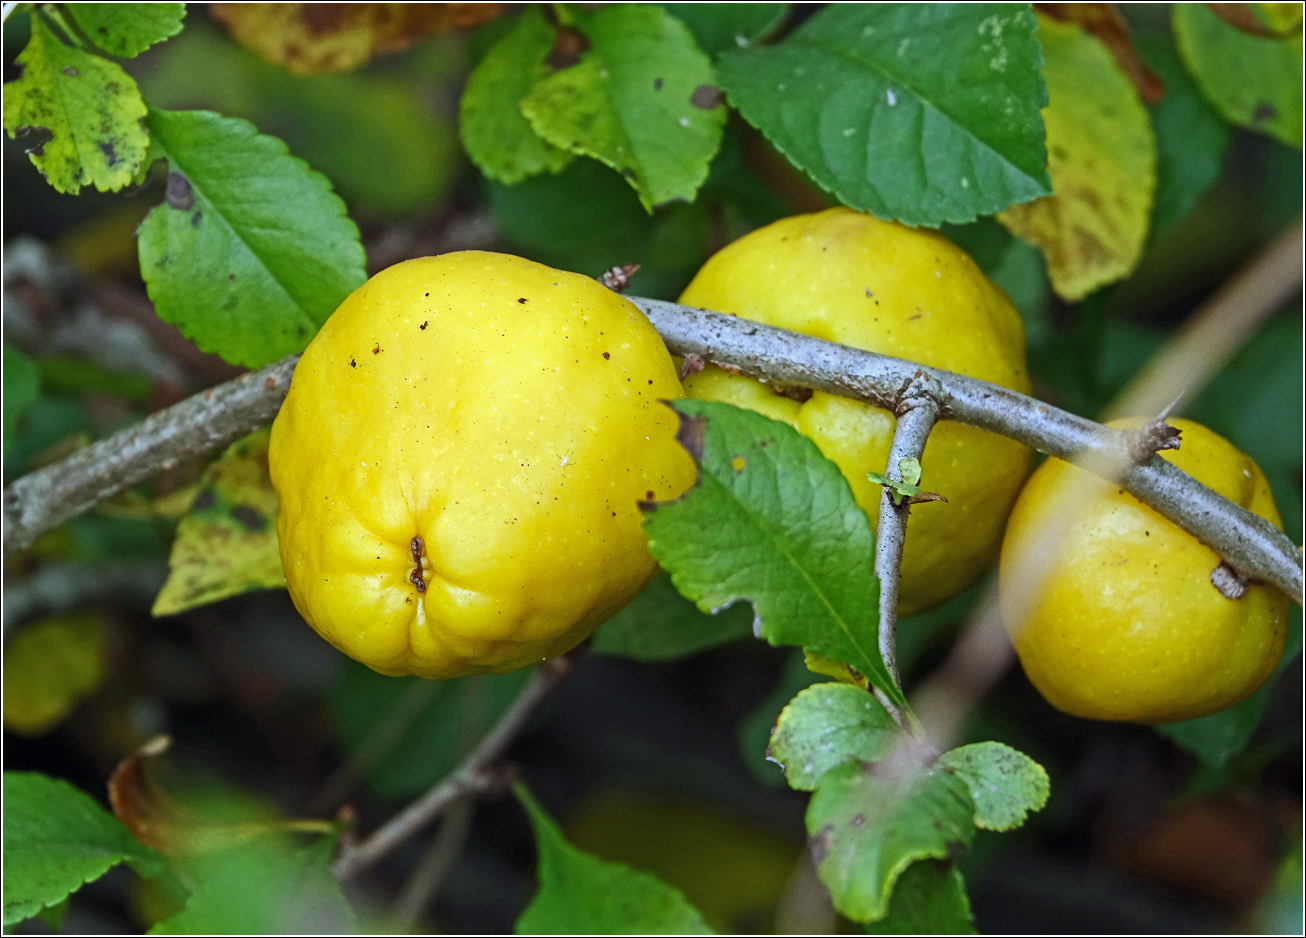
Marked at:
<point>659,764</point>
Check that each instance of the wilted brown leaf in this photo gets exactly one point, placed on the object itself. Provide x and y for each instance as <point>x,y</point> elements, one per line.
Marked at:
<point>1104,21</point>
<point>308,38</point>
<point>159,820</point>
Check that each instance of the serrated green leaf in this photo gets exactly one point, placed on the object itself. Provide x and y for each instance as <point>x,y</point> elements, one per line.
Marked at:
<point>127,29</point>
<point>581,894</point>
<point>587,219</point>
<point>1190,135</point>
<point>868,827</point>
<point>1255,82</point>
<point>56,839</point>
<point>643,100</point>
<point>89,106</point>
<point>495,133</point>
<point>928,899</point>
<point>856,97</point>
<point>827,725</point>
<point>263,889</point>
<point>1102,159</point>
<point>661,625</point>
<point>721,26</point>
<point>773,522</point>
<point>1004,783</point>
<point>227,543</point>
<point>252,251</point>
<point>22,386</point>
<point>424,726</point>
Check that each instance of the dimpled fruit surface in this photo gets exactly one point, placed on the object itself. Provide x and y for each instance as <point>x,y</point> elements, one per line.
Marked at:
<point>1127,624</point>
<point>460,461</point>
<point>907,292</point>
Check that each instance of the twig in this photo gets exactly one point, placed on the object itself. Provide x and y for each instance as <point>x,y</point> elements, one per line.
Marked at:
<point>473,776</point>
<point>917,413</point>
<point>379,745</point>
<point>42,500</point>
<point>1253,547</point>
<point>424,883</point>
<point>57,588</point>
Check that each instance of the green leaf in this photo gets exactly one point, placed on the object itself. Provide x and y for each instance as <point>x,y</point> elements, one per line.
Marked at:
<point>264,889</point>
<point>495,133</point>
<point>252,251</point>
<point>581,894</point>
<point>412,732</point>
<point>827,725</point>
<point>721,26</point>
<point>384,149</point>
<point>127,29</point>
<point>227,543</point>
<point>1005,784</point>
<point>642,100</point>
<point>50,667</point>
<point>88,105</point>
<point>22,386</point>
<point>660,625</point>
<point>1255,402</point>
<point>857,97</point>
<point>868,826</point>
<point>1255,82</point>
<point>928,899</point>
<point>773,522</point>
<point>1102,159</point>
<point>1190,136</point>
<point>587,219</point>
<point>1217,738</point>
<point>57,838</point>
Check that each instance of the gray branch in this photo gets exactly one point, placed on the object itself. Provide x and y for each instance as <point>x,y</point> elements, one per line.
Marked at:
<point>1254,548</point>
<point>474,775</point>
<point>42,500</point>
<point>917,412</point>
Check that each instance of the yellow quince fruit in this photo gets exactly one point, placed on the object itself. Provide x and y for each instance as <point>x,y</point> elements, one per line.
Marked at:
<point>1127,624</point>
<point>460,460</point>
<point>910,293</point>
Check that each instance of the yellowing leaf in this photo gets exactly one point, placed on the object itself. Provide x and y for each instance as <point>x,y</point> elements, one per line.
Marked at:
<point>227,544</point>
<point>49,668</point>
<point>1102,160</point>
<point>1282,18</point>
<point>89,107</point>
<point>334,37</point>
<point>829,667</point>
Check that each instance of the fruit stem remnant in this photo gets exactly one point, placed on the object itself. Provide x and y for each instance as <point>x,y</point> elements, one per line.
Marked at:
<point>475,775</point>
<point>41,500</point>
<point>917,411</point>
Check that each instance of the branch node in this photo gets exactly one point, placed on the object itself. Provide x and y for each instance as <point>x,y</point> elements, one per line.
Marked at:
<point>617,278</point>
<point>1229,582</point>
<point>1151,438</point>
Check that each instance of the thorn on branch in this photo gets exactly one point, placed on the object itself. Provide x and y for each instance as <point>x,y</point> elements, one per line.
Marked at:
<point>1153,437</point>
<point>617,278</point>
<point>1228,581</point>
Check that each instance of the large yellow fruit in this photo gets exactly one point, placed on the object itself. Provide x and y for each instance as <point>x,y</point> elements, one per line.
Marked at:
<point>1127,624</point>
<point>460,461</point>
<point>906,292</point>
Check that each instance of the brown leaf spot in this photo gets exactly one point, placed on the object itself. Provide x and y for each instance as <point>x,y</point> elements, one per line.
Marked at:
<point>204,501</point>
<point>250,518</point>
<point>820,844</point>
<point>690,435</point>
<point>71,71</point>
<point>179,194</point>
<point>707,97</point>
